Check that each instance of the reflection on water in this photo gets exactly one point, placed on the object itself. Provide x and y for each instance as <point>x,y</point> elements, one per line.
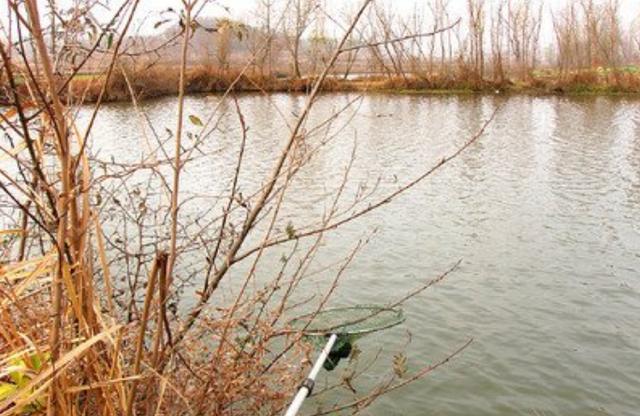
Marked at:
<point>544,211</point>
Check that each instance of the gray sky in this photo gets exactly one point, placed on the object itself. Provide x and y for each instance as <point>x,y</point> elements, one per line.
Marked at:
<point>245,10</point>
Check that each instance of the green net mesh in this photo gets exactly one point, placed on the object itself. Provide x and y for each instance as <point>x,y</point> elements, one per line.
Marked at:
<point>348,323</point>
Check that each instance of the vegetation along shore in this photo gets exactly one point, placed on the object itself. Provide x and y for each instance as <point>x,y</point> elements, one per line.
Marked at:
<point>175,275</point>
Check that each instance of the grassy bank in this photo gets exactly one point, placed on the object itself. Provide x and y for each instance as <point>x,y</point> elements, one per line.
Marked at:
<point>160,81</point>
<point>163,81</point>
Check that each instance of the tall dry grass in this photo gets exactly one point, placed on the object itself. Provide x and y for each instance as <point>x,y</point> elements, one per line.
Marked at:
<point>160,80</point>
<point>64,347</point>
<point>111,369</point>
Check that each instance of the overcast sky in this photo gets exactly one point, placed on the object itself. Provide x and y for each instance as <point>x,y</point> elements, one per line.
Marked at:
<point>245,10</point>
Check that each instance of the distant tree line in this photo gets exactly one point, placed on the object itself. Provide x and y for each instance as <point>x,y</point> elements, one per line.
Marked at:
<point>495,41</point>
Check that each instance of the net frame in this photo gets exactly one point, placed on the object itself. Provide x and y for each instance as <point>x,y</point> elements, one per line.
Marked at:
<point>339,329</point>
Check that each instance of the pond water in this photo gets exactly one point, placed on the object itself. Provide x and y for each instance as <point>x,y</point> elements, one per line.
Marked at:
<point>544,211</point>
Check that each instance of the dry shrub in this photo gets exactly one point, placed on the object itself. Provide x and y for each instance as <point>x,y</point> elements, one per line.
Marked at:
<point>625,81</point>
<point>583,81</point>
<point>159,80</point>
<point>87,372</point>
<point>145,81</point>
<point>440,81</point>
<point>99,360</point>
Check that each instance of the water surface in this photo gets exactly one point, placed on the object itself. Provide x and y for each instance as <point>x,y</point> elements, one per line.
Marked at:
<point>544,212</point>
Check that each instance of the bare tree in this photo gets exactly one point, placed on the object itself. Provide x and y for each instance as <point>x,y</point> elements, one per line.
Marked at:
<point>261,38</point>
<point>225,32</point>
<point>299,17</point>
<point>476,13</point>
<point>524,21</point>
<point>497,43</point>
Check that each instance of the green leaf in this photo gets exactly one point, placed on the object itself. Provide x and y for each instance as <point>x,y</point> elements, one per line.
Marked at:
<point>109,40</point>
<point>291,232</point>
<point>21,372</point>
<point>37,360</point>
<point>18,369</point>
<point>6,390</point>
<point>195,120</point>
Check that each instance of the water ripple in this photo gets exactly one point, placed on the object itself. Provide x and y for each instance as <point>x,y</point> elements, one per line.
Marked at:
<point>544,210</point>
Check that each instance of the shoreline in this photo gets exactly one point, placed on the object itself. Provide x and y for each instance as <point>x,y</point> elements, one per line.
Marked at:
<point>425,92</point>
<point>158,83</point>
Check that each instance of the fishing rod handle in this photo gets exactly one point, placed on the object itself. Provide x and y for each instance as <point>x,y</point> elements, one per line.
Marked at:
<point>307,385</point>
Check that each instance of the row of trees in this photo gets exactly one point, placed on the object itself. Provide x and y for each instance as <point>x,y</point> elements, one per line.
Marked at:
<point>495,41</point>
